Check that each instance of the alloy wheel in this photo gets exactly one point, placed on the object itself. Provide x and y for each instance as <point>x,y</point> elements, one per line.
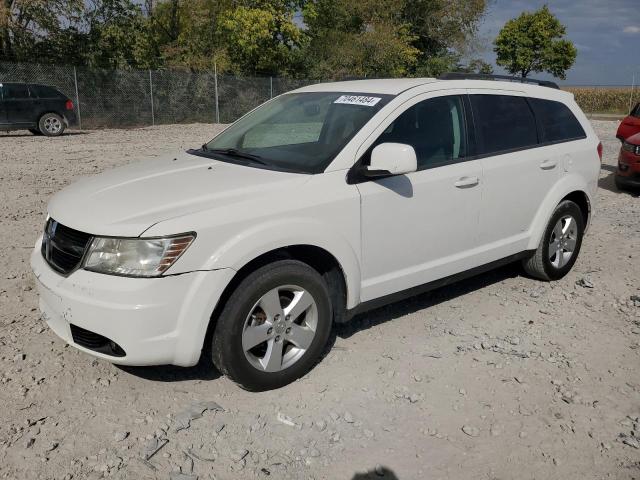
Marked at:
<point>562,243</point>
<point>52,125</point>
<point>280,328</point>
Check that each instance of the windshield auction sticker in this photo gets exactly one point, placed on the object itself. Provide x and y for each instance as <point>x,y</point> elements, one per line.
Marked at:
<point>358,100</point>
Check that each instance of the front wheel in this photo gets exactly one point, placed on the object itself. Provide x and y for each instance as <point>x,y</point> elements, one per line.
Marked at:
<point>274,326</point>
<point>560,244</point>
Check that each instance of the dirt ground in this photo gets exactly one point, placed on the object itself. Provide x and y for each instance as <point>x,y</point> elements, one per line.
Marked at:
<point>497,377</point>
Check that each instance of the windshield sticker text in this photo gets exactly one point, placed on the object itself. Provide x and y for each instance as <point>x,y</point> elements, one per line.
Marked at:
<point>358,100</point>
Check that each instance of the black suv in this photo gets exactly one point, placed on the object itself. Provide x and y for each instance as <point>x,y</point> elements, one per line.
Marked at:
<point>41,109</point>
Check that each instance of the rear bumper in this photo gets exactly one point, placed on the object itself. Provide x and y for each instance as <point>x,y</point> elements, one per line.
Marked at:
<point>155,321</point>
<point>70,118</point>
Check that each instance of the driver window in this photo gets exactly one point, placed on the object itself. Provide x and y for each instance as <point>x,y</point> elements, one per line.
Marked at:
<point>434,128</point>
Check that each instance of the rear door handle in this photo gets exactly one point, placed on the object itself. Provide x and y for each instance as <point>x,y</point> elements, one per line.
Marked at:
<point>548,164</point>
<point>467,182</point>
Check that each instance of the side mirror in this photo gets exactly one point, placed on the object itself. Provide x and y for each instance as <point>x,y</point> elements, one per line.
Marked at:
<point>391,159</point>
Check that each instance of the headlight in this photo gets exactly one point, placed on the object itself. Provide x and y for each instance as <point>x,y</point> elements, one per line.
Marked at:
<point>135,257</point>
<point>629,147</point>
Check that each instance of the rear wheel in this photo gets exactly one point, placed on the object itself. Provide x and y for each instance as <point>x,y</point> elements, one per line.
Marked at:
<point>51,125</point>
<point>560,244</point>
<point>274,326</point>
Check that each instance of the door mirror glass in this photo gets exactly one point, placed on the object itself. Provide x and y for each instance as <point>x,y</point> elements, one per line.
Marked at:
<point>392,159</point>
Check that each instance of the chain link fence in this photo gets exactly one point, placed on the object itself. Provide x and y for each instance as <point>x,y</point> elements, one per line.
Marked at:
<point>135,98</point>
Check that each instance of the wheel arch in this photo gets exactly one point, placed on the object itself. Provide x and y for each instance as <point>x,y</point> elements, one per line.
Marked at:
<point>42,114</point>
<point>571,188</point>
<point>316,257</point>
<point>321,260</point>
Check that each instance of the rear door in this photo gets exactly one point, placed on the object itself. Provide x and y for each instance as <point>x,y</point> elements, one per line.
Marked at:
<point>18,104</point>
<point>517,174</point>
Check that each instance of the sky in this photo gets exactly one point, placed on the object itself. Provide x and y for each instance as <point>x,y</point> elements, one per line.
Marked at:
<point>605,32</point>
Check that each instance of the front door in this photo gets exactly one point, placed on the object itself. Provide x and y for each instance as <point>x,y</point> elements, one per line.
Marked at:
<point>422,226</point>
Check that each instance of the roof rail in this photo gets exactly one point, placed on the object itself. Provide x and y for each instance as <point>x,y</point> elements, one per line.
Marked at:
<point>484,76</point>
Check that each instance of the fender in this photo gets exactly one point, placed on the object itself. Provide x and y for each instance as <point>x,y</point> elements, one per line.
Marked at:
<point>568,184</point>
<point>237,251</point>
<point>240,249</point>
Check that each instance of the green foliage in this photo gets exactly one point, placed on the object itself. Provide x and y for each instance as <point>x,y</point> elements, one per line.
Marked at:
<point>262,39</point>
<point>533,42</point>
<point>323,39</point>
<point>388,37</point>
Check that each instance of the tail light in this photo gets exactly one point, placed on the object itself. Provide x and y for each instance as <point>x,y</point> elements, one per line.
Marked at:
<point>600,151</point>
<point>68,105</point>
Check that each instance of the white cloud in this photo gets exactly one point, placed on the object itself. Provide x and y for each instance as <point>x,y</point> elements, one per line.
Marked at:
<point>631,29</point>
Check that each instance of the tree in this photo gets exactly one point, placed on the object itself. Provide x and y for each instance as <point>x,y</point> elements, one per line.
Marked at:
<point>533,42</point>
<point>31,29</point>
<point>116,35</point>
<point>262,38</point>
<point>388,37</point>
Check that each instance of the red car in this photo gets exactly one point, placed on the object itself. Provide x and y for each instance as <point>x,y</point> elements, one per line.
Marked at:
<point>630,124</point>
<point>628,173</point>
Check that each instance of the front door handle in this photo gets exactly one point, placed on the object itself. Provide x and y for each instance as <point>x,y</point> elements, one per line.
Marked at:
<point>467,182</point>
<point>548,164</point>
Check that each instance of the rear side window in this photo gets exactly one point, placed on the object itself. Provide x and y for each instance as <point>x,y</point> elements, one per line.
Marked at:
<point>503,122</point>
<point>636,111</point>
<point>42,91</point>
<point>15,91</point>
<point>557,123</point>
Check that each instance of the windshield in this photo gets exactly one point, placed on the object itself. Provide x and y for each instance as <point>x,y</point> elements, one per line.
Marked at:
<point>300,132</point>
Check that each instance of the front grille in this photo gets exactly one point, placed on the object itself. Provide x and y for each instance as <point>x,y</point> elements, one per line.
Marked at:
<point>63,247</point>
<point>95,342</point>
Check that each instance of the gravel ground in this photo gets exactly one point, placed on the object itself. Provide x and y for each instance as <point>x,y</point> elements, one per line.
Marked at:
<point>496,377</point>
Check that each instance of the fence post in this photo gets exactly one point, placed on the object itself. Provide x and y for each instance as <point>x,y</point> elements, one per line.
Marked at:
<point>633,84</point>
<point>153,115</point>
<point>270,87</point>
<point>75,81</point>
<point>215,90</point>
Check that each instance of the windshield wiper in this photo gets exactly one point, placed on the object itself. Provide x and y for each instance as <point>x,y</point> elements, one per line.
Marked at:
<point>233,152</point>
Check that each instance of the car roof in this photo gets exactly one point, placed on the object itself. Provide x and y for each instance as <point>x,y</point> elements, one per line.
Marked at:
<point>390,86</point>
<point>395,86</point>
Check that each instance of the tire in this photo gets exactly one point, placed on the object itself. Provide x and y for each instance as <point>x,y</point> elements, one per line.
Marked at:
<point>35,131</point>
<point>550,263</point>
<point>243,322</point>
<point>51,125</point>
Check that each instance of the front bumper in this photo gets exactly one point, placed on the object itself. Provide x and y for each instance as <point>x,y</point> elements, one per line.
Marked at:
<point>628,181</point>
<point>156,321</point>
<point>628,172</point>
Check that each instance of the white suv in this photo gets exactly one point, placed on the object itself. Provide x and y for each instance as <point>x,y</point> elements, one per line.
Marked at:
<point>319,204</point>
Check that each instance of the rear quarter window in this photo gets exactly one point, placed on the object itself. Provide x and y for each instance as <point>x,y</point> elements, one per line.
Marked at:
<point>556,122</point>
<point>43,91</point>
<point>503,123</point>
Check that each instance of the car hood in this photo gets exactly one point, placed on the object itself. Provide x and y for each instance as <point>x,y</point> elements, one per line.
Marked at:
<point>128,200</point>
<point>633,139</point>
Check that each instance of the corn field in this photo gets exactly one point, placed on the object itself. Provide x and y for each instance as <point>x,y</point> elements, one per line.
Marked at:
<point>605,100</point>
